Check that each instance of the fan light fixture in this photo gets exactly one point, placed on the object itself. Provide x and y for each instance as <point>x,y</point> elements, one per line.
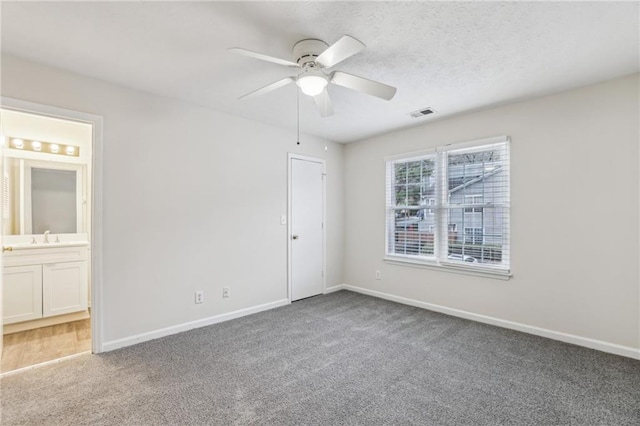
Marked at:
<point>314,58</point>
<point>312,84</point>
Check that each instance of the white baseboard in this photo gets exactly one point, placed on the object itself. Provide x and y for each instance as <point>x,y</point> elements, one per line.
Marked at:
<point>151,335</point>
<point>550,334</point>
<point>334,288</point>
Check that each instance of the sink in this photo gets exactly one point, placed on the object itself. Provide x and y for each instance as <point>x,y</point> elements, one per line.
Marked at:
<point>26,246</point>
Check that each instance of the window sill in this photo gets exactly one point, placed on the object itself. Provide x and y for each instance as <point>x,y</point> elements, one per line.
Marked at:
<point>455,268</point>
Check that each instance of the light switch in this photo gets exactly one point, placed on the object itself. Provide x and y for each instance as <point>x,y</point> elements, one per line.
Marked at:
<point>283,219</point>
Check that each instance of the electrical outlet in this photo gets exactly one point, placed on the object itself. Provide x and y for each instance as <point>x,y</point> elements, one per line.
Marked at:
<point>199,297</point>
<point>378,275</point>
<point>225,292</point>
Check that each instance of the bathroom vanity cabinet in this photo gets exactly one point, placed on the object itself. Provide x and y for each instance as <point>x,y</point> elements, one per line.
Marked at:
<point>45,280</point>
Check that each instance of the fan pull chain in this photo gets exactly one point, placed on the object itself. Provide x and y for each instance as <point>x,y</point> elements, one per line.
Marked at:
<point>298,112</point>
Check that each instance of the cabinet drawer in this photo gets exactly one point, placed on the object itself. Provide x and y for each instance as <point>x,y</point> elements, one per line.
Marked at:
<point>44,255</point>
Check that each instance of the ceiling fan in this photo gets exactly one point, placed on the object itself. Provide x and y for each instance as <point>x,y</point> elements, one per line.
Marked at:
<point>314,57</point>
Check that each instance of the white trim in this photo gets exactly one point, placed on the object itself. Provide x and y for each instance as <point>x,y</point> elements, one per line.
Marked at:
<point>292,156</point>
<point>444,266</point>
<point>156,334</point>
<point>418,155</point>
<point>97,319</point>
<point>470,145</point>
<point>96,201</point>
<point>334,288</point>
<point>538,331</point>
<point>447,147</point>
<point>441,243</point>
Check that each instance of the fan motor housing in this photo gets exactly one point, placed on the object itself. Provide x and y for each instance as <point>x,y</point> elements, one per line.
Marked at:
<point>306,51</point>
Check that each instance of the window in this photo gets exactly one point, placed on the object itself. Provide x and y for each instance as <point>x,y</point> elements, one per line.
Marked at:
<point>432,202</point>
<point>413,182</point>
<point>473,199</point>
<point>466,187</point>
<point>473,236</point>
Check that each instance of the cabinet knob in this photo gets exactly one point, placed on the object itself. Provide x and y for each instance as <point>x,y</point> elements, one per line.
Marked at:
<point>294,237</point>
<point>5,248</point>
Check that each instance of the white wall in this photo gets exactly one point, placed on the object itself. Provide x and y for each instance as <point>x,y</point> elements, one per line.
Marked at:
<point>192,201</point>
<point>574,216</point>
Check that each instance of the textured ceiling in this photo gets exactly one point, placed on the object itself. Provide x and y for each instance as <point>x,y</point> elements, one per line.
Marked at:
<point>451,56</point>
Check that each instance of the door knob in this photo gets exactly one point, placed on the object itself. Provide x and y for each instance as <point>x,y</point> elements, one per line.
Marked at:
<point>295,237</point>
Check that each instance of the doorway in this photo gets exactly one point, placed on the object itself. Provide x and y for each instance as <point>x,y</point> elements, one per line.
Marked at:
<point>48,288</point>
<point>306,226</point>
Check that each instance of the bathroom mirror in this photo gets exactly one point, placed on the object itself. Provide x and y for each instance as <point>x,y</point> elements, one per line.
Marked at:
<point>42,196</point>
<point>53,201</point>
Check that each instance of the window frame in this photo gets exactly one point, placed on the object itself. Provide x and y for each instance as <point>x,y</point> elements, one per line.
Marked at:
<point>391,212</point>
<point>439,260</point>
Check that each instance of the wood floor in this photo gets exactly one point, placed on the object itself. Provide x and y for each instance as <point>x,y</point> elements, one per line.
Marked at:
<point>45,344</point>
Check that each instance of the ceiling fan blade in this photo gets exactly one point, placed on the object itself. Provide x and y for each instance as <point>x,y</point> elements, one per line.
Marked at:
<point>268,88</point>
<point>363,85</point>
<point>323,102</point>
<point>339,51</point>
<point>262,56</point>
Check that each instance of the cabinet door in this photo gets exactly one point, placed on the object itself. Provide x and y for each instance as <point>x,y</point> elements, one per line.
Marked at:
<point>64,288</point>
<point>22,293</point>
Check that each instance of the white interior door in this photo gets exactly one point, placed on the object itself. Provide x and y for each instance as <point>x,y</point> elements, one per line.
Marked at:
<point>306,221</point>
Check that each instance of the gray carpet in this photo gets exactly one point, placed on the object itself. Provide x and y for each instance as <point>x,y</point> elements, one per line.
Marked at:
<point>343,358</point>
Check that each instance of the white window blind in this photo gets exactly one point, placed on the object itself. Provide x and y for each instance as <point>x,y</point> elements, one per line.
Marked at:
<point>410,185</point>
<point>451,207</point>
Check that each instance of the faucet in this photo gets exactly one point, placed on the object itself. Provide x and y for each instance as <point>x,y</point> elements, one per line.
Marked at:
<point>46,236</point>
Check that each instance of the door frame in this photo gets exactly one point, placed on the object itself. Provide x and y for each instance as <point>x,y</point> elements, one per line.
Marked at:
<point>96,122</point>
<point>323,163</point>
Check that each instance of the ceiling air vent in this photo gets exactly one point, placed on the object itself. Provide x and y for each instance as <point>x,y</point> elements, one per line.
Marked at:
<point>422,112</point>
